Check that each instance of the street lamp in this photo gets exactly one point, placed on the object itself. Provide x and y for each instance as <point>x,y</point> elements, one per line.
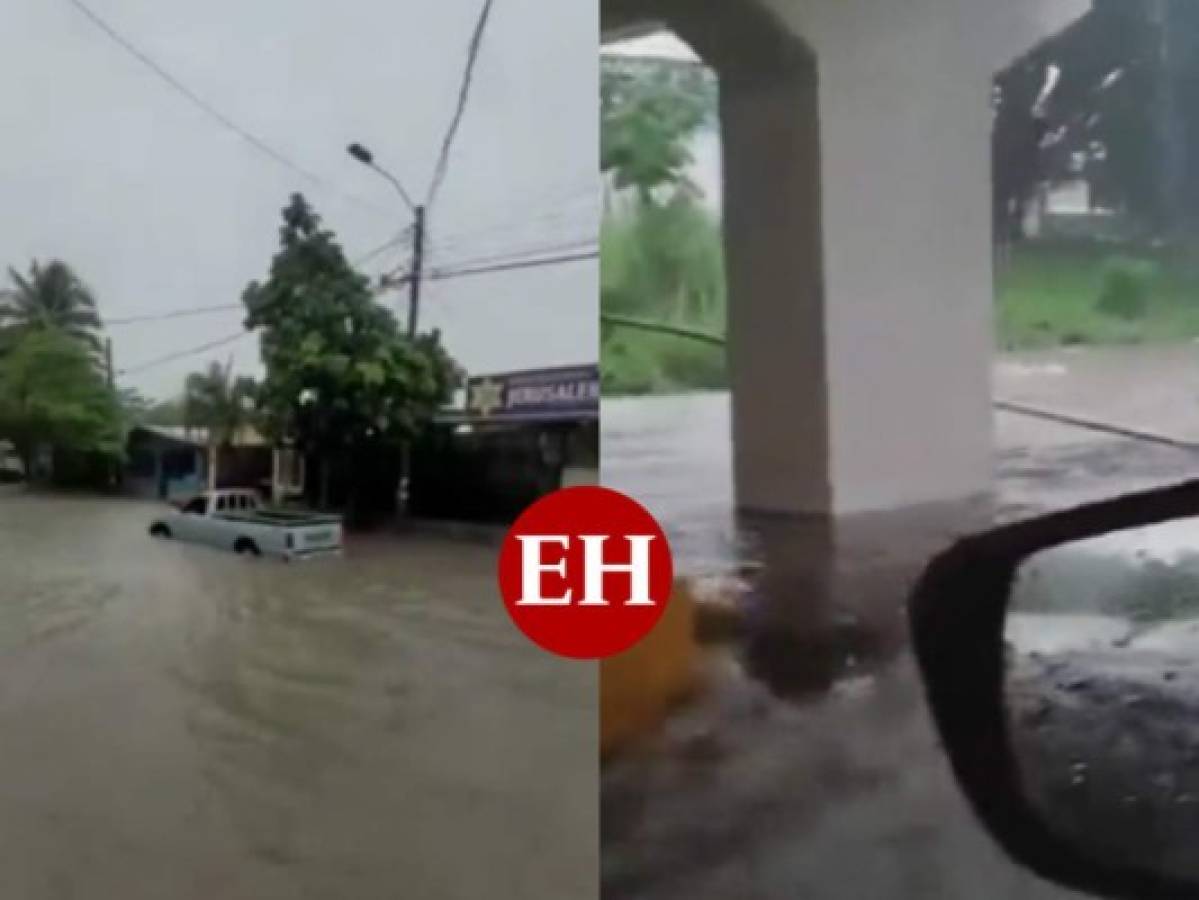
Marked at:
<point>364,156</point>
<point>367,158</point>
<point>361,154</point>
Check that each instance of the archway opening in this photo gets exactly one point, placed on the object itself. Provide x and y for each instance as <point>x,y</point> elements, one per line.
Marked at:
<point>711,277</point>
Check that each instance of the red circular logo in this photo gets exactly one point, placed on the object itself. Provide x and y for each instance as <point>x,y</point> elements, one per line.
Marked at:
<point>586,572</point>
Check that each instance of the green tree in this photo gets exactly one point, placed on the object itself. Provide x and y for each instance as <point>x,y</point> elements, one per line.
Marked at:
<point>341,378</point>
<point>52,395</point>
<point>221,406</point>
<point>1119,114</point>
<point>647,115</point>
<point>662,259</point>
<point>51,296</point>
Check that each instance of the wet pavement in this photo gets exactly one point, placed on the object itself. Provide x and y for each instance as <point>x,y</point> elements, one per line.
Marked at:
<point>179,722</point>
<point>809,766</point>
<point>1107,741</point>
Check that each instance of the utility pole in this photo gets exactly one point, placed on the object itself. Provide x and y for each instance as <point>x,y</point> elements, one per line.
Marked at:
<point>364,156</point>
<point>414,279</point>
<point>418,263</point>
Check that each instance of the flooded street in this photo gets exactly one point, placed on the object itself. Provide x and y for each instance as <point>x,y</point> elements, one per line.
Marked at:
<point>180,722</point>
<point>809,766</point>
<point>675,453</point>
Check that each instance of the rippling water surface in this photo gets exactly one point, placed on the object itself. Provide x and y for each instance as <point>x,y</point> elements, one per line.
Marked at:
<point>180,722</point>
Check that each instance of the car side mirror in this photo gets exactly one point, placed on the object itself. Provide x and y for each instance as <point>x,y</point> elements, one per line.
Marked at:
<point>1060,658</point>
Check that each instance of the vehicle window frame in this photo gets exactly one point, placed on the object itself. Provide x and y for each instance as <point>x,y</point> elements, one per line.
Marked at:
<point>189,509</point>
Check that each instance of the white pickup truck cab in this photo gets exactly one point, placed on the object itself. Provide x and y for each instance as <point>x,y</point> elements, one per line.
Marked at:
<point>235,520</point>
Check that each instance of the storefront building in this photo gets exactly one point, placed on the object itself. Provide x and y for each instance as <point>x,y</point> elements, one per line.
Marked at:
<point>520,436</point>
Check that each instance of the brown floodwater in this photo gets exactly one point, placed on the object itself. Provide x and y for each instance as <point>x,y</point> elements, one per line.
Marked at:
<point>180,722</point>
<point>809,767</point>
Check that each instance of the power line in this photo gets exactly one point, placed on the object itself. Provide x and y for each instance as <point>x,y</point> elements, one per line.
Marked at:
<point>173,314</point>
<point>442,274</point>
<point>396,241</point>
<point>515,255</point>
<point>252,139</point>
<point>547,227</point>
<point>183,354</point>
<point>468,73</point>
<point>567,202</point>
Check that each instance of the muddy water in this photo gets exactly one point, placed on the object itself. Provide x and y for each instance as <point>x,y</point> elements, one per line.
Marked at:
<point>179,722</point>
<point>675,453</point>
<point>810,767</point>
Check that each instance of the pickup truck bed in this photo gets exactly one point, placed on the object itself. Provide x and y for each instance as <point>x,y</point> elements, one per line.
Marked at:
<point>285,518</point>
<point>234,520</point>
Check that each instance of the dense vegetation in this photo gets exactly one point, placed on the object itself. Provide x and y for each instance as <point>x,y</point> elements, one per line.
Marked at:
<point>343,383</point>
<point>56,401</point>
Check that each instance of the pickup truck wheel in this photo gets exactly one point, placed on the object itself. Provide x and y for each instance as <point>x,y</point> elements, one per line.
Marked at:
<point>246,547</point>
<point>159,530</point>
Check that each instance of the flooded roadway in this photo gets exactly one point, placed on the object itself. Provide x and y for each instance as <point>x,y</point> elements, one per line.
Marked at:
<point>180,722</point>
<point>810,768</point>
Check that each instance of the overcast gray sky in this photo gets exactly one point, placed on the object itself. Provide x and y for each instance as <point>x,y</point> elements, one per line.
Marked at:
<point>160,208</point>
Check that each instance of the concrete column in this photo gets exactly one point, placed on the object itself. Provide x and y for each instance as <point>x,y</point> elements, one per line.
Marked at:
<point>777,352</point>
<point>858,237</point>
<point>857,229</point>
<point>897,307</point>
<point>905,128</point>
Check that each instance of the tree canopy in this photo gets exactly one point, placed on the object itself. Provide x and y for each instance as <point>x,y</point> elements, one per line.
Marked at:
<point>51,394</point>
<point>219,403</point>
<point>339,373</point>
<point>51,296</point>
<point>648,114</point>
<point>662,259</point>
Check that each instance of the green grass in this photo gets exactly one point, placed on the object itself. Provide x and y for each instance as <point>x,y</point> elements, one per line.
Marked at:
<point>1049,297</point>
<point>663,264</point>
<point>638,362</point>
<point>1046,296</point>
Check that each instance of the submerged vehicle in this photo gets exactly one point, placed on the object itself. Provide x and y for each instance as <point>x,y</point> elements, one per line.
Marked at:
<point>236,520</point>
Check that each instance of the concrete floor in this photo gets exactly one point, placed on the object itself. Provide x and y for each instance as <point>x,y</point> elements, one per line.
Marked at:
<point>809,768</point>
<point>179,722</point>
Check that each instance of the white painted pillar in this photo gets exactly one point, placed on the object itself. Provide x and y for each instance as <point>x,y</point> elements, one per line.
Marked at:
<point>905,127</point>
<point>777,361</point>
<point>859,243</point>
<point>858,238</point>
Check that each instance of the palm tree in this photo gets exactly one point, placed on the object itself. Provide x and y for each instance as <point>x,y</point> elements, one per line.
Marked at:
<point>221,405</point>
<point>51,296</point>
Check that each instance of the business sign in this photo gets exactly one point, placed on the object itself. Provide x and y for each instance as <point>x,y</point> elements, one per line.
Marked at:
<point>537,395</point>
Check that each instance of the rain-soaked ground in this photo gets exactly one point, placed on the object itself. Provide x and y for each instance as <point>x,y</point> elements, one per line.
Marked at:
<point>1107,741</point>
<point>809,766</point>
<point>179,722</point>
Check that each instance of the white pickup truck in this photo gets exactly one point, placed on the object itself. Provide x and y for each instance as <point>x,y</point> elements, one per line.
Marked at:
<point>235,520</point>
